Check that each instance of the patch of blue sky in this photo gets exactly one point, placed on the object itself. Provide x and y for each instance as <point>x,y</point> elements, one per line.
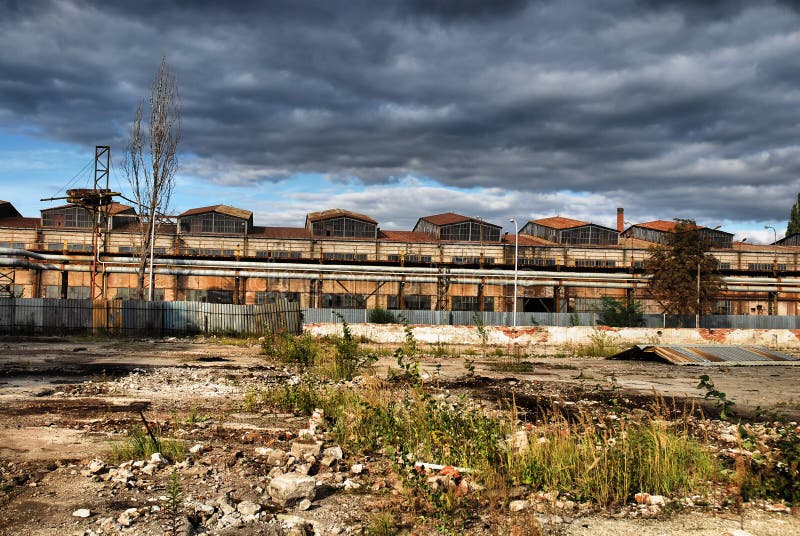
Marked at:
<point>32,168</point>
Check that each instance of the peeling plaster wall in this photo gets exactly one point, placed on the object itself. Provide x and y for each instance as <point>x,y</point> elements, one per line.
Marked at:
<point>558,336</point>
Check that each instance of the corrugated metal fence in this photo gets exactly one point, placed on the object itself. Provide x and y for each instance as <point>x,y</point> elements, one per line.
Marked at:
<point>455,318</point>
<point>43,315</point>
<point>467,318</point>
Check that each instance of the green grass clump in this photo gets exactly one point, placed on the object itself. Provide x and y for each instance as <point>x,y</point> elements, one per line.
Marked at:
<point>336,358</point>
<point>138,445</point>
<point>601,345</point>
<point>381,524</point>
<point>608,466</point>
<point>301,350</point>
<point>512,365</point>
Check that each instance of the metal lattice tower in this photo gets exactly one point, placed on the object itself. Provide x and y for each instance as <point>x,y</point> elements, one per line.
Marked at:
<point>442,290</point>
<point>7,282</point>
<point>97,201</point>
<point>102,161</point>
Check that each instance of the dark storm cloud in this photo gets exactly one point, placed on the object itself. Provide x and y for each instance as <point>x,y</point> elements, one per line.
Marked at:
<point>672,108</point>
<point>465,9</point>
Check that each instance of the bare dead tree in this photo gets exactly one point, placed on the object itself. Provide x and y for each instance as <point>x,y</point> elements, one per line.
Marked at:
<point>151,161</point>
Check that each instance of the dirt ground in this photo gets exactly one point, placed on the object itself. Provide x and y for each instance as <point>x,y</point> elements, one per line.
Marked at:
<point>63,401</point>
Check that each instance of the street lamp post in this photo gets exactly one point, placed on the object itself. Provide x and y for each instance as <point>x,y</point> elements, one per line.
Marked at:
<point>774,251</point>
<point>697,313</point>
<point>516,266</point>
<point>773,307</point>
<point>699,261</point>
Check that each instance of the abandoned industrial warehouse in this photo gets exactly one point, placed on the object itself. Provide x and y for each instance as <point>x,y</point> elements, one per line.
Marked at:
<point>342,259</point>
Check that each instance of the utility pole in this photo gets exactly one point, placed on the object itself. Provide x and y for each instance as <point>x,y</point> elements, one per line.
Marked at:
<point>516,266</point>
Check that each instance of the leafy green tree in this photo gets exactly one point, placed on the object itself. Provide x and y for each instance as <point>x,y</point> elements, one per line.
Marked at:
<point>673,270</point>
<point>620,313</point>
<point>794,219</point>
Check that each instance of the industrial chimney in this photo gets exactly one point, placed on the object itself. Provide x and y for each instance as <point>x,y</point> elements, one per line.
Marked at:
<point>620,219</point>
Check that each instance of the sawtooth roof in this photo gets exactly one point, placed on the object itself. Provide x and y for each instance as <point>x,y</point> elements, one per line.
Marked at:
<point>113,208</point>
<point>560,222</point>
<point>337,213</point>
<point>221,209</point>
<point>669,226</point>
<point>449,218</point>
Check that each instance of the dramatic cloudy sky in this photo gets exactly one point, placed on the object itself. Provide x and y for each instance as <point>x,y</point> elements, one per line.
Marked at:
<point>498,109</point>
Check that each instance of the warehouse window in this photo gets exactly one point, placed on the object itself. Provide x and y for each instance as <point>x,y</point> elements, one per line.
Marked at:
<point>595,263</point>
<point>272,296</point>
<point>344,227</point>
<point>130,294</point>
<point>73,293</point>
<point>470,303</point>
<point>344,301</point>
<point>412,302</point>
<point>765,267</point>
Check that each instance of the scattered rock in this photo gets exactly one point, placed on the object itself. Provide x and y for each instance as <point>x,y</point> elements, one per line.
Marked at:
<point>233,458</point>
<point>656,500</point>
<point>302,448</point>
<point>778,507</point>
<point>225,505</point>
<point>357,468</point>
<point>519,442</point>
<point>199,448</point>
<point>305,504</point>
<point>291,487</point>
<point>150,468</point>
<point>158,459</point>
<point>334,452</point>
<point>97,466</point>
<point>518,506</point>
<point>349,485</point>
<point>82,512</point>
<point>206,509</point>
<point>127,517</point>
<point>247,508</point>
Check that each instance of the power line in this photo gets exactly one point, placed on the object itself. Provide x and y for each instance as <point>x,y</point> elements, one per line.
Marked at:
<point>69,183</point>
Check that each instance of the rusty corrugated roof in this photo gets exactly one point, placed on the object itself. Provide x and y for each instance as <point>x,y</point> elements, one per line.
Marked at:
<point>559,222</point>
<point>711,354</point>
<point>222,209</point>
<point>527,240</point>
<point>449,218</point>
<point>659,225</point>
<point>336,213</point>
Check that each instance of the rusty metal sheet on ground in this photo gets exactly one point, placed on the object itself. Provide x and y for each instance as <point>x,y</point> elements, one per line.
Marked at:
<point>711,354</point>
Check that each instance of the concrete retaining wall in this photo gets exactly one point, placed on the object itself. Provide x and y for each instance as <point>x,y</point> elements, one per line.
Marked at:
<point>559,336</point>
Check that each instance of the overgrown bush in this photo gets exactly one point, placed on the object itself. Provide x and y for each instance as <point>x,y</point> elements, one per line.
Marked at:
<point>140,444</point>
<point>349,358</point>
<point>381,316</point>
<point>602,345</point>
<point>407,356</point>
<point>610,465</point>
<point>300,350</point>
<point>774,468</point>
<point>620,313</point>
